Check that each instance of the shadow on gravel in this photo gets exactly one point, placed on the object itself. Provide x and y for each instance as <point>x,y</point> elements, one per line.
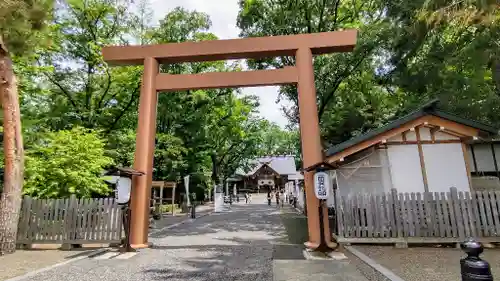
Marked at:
<point>219,262</point>
<point>238,219</point>
<point>244,260</point>
<point>238,257</point>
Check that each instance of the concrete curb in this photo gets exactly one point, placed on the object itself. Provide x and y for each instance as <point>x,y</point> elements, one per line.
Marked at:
<point>373,264</point>
<point>180,223</point>
<point>91,253</point>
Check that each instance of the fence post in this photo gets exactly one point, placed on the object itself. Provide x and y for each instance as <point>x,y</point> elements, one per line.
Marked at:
<point>397,212</point>
<point>69,223</point>
<point>24,223</point>
<point>472,267</point>
<point>457,213</point>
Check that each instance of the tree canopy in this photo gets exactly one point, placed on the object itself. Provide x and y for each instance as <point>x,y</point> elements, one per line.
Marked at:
<point>73,103</point>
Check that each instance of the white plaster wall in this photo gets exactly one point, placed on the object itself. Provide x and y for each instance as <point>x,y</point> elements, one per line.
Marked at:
<point>411,136</point>
<point>445,167</point>
<point>406,173</point>
<point>444,136</point>
<point>425,133</point>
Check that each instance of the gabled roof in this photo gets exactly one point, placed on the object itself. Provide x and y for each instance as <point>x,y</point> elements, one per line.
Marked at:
<point>283,165</point>
<point>425,110</point>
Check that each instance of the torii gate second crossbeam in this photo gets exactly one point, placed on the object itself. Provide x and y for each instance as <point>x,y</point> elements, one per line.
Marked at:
<point>302,46</point>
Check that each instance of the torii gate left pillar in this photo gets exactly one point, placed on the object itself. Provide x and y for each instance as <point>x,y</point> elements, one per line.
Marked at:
<point>302,47</point>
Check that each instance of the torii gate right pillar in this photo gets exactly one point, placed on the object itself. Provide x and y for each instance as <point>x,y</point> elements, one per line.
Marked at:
<point>311,144</point>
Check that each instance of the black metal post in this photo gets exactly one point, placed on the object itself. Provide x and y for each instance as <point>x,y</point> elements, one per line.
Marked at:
<point>323,247</point>
<point>472,267</point>
<point>193,210</point>
<point>126,214</point>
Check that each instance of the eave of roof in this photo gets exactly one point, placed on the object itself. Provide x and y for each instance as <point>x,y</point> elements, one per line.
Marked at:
<point>427,109</point>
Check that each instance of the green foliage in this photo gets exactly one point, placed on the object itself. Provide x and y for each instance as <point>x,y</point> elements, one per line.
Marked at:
<point>167,208</point>
<point>407,52</point>
<point>21,23</point>
<point>66,162</point>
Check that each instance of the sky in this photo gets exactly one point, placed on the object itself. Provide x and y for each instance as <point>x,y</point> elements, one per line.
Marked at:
<point>223,16</point>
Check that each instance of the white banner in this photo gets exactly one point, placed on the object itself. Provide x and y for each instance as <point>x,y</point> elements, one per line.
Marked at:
<point>186,186</point>
<point>218,199</point>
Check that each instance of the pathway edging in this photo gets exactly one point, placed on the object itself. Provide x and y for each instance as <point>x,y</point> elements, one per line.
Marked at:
<point>91,253</point>
<point>373,264</point>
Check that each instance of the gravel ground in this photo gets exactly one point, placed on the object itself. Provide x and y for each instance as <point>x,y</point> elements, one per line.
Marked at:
<point>247,243</point>
<point>168,219</point>
<point>22,262</point>
<point>238,245</point>
<point>429,264</point>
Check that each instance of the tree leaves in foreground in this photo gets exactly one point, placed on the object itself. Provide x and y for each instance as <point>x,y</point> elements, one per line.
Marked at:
<point>20,24</point>
<point>407,52</point>
<point>65,163</point>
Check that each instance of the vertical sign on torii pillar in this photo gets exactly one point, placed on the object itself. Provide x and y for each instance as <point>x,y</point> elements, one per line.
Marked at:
<point>302,46</point>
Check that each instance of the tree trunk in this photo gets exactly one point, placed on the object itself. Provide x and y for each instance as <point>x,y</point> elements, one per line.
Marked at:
<point>11,198</point>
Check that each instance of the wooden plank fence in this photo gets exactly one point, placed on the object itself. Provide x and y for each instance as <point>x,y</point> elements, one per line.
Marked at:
<point>70,221</point>
<point>429,217</point>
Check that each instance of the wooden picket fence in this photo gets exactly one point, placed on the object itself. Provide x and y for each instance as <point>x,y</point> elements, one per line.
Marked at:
<point>429,217</point>
<point>69,221</point>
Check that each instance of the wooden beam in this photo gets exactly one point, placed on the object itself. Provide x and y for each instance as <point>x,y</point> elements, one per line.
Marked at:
<point>211,80</point>
<point>385,135</point>
<point>467,164</point>
<point>164,184</point>
<point>422,161</point>
<point>430,119</point>
<point>423,142</point>
<point>453,126</point>
<point>213,50</point>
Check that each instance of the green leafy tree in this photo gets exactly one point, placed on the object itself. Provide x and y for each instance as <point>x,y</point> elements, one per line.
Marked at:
<point>66,162</point>
<point>20,24</point>
<point>407,53</point>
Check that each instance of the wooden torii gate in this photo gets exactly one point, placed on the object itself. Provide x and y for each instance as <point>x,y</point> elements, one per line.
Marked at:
<point>302,46</point>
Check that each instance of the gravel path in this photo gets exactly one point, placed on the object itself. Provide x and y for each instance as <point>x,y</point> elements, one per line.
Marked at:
<point>22,262</point>
<point>426,264</point>
<point>237,245</point>
<point>247,243</point>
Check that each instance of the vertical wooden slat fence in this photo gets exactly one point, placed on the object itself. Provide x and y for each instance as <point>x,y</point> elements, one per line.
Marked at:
<point>428,217</point>
<point>70,221</point>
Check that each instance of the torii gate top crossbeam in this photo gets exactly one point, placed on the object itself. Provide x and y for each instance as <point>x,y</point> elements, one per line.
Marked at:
<point>257,47</point>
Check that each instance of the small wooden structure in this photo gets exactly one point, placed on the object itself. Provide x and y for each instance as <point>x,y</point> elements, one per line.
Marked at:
<point>424,151</point>
<point>157,188</point>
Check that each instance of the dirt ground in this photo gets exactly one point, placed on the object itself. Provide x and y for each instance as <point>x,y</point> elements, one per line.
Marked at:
<point>22,262</point>
<point>425,263</point>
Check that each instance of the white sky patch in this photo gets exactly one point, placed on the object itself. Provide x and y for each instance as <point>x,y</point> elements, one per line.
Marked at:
<point>223,14</point>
